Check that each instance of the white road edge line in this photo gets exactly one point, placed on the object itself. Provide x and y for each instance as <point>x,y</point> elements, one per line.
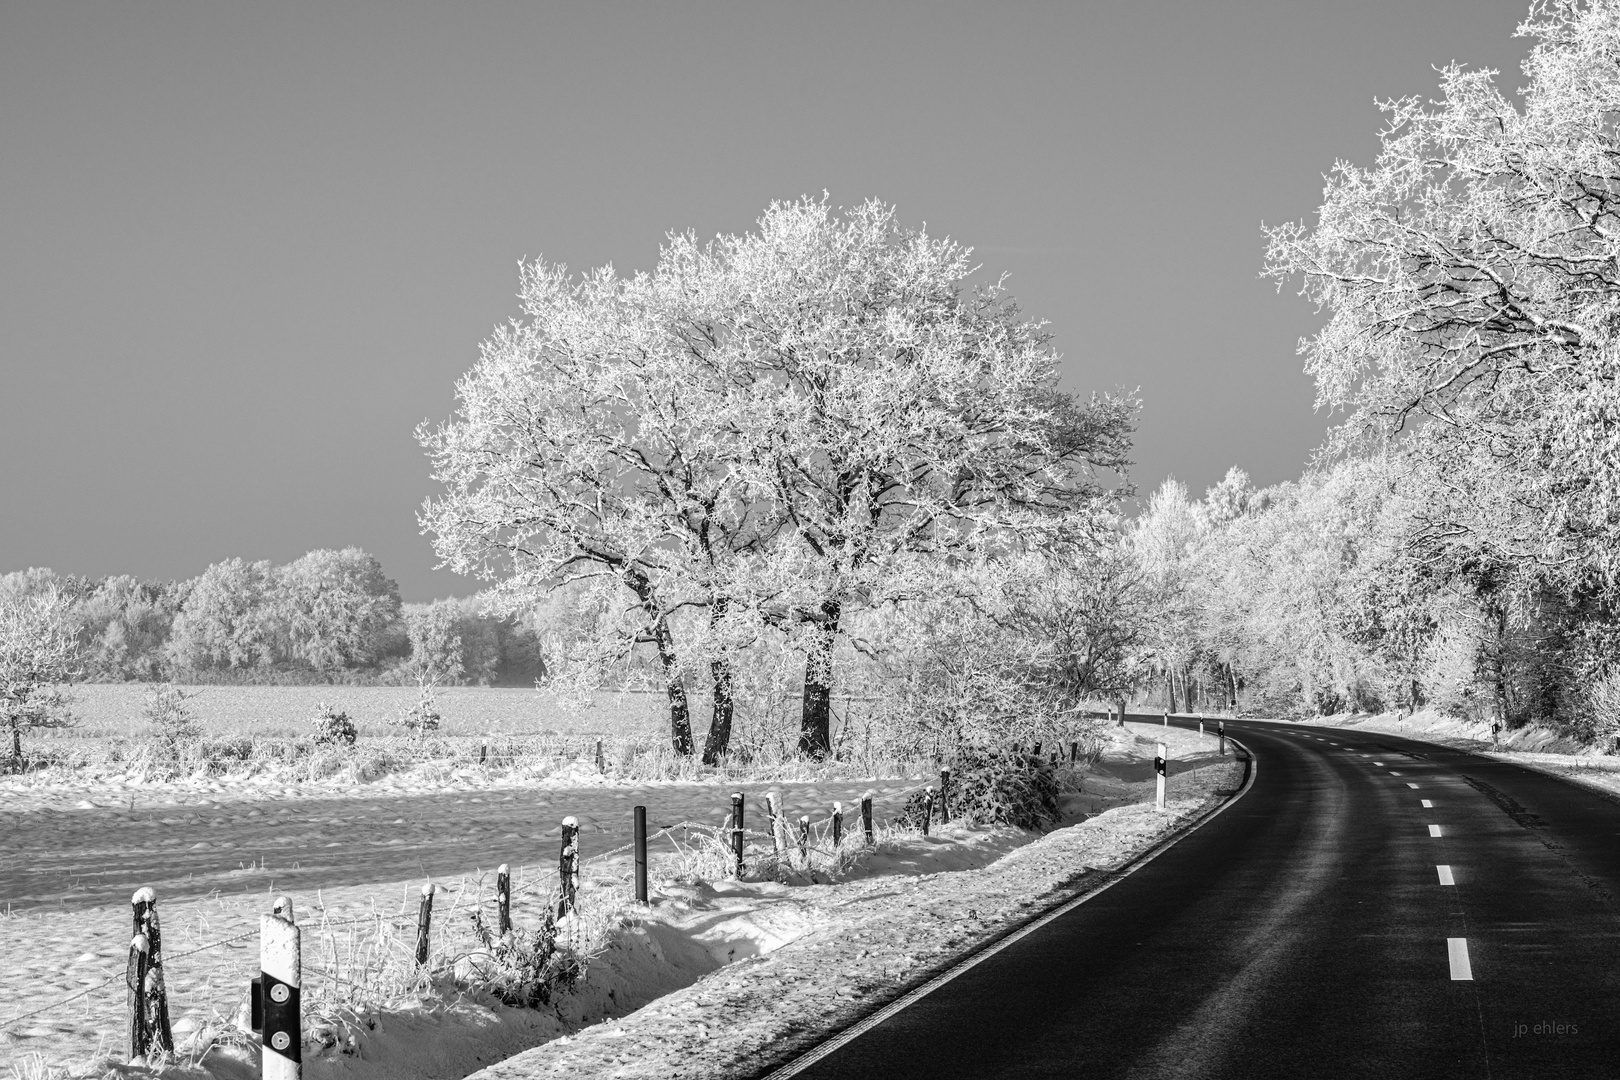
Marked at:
<point>1445,875</point>
<point>1434,830</point>
<point>1457,953</point>
<point>849,1034</point>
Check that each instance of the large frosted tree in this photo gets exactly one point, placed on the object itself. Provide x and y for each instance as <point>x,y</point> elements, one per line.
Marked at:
<point>1472,282</point>
<point>773,426</point>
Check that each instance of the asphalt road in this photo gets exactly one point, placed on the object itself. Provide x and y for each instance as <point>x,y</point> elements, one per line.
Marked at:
<point>1308,931</point>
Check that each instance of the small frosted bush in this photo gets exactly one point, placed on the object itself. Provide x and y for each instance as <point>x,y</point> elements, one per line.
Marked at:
<point>333,727</point>
<point>1004,788</point>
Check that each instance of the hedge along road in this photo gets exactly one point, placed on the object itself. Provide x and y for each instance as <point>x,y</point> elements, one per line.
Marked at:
<point>186,846</point>
<point>1373,906</point>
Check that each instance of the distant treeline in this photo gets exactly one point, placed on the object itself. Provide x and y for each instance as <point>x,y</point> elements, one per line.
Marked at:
<point>331,616</point>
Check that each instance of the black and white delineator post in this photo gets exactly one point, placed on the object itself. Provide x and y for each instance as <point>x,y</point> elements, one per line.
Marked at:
<point>503,899</point>
<point>1200,727</point>
<point>737,829</point>
<point>568,867</point>
<point>639,827</point>
<point>1220,729</point>
<point>276,1013</point>
<point>1161,765</point>
<point>1167,718</point>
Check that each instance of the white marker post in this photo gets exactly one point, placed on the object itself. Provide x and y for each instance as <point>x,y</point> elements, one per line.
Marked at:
<point>280,975</point>
<point>1161,765</point>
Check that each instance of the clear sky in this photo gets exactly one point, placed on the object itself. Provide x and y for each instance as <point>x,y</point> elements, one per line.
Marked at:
<point>246,248</point>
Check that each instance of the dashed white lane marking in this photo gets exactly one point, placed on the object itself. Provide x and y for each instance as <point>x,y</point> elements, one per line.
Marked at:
<point>1445,875</point>
<point>1427,805</point>
<point>1380,764</point>
<point>1366,755</point>
<point>1411,785</point>
<point>1392,772</point>
<point>1457,952</point>
<point>1434,830</point>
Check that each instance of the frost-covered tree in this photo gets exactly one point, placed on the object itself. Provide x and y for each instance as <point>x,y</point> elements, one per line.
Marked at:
<point>337,607</point>
<point>228,620</point>
<point>887,409</point>
<point>1472,281</point>
<point>39,655</point>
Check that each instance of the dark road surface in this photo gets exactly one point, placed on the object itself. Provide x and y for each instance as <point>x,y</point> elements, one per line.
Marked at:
<point>1308,931</point>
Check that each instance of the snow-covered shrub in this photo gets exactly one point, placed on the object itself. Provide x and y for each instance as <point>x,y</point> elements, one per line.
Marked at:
<point>527,970</point>
<point>1001,787</point>
<point>333,726</point>
<point>422,718</point>
<point>167,711</point>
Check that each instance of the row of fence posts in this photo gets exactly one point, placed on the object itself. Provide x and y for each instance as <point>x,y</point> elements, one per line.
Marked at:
<point>274,1010</point>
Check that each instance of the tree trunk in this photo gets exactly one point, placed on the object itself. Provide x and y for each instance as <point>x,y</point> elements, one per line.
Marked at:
<point>16,742</point>
<point>815,724</point>
<point>723,677</point>
<point>680,716</point>
<point>1170,688</point>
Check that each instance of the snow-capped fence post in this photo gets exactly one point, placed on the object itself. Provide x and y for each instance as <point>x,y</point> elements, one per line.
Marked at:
<point>1220,729</point>
<point>568,867</point>
<point>927,807</point>
<point>1161,765</point>
<point>1074,751</point>
<point>640,826</point>
<point>483,752</point>
<point>424,924</point>
<point>503,899</point>
<point>804,839</point>
<point>601,762</point>
<point>276,1011</point>
<point>866,817</point>
<point>837,825</point>
<point>737,829</point>
<point>945,795</point>
<point>1036,752</point>
<point>148,1001</point>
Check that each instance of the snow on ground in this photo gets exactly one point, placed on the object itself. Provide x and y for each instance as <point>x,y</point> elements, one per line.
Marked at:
<point>746,953</point>
<point>1533,747</point>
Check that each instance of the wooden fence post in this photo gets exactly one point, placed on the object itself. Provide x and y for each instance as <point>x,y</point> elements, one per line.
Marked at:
<point>779,836</point>
<point>804,840</point>
<point>1036,752</point>
<point>483,752</point>
<point>640,835</point>
<point>424,924</point>
<point>601,762</point>
<point>945,795</point>
<point>1161,767</point>
<point>149,1002</point>
<point>866,817</point>
<point>737,829</point>
<point>503,900</point>
<point>568,867</point>
<point>280,977</point>
<point>1074,751</point>
<point>928,808</point>
<point>837,825</point>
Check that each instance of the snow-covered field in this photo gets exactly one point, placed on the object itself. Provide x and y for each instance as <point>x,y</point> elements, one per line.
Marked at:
<point>217,854</point>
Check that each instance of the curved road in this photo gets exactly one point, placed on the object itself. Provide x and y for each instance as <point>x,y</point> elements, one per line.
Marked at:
<point>1373,907</point>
